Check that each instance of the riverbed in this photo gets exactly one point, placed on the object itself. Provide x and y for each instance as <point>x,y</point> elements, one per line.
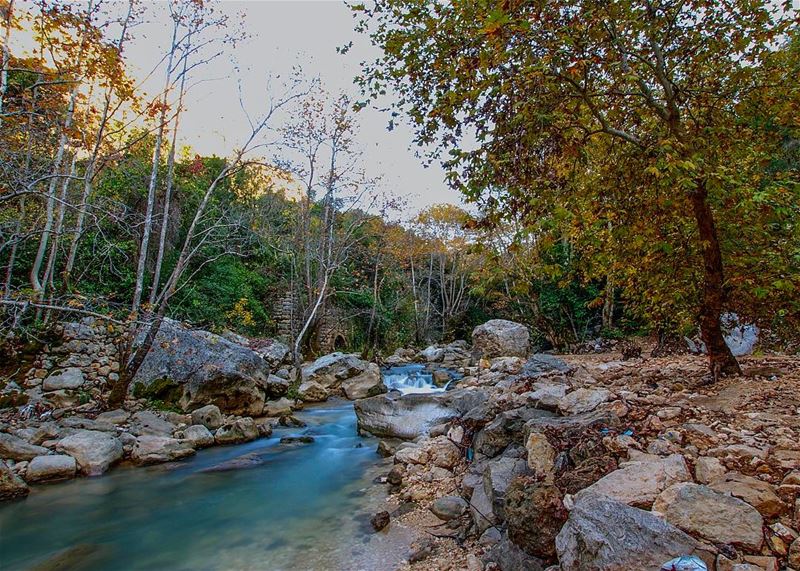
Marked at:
<point>264,505</point>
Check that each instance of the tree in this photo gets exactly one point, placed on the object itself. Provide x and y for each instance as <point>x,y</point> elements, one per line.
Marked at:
<point>518,91</point>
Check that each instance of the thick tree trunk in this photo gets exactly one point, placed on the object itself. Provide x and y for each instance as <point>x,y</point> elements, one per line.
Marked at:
<point>721,360</point>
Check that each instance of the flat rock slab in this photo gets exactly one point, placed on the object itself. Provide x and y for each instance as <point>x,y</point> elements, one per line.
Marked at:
<point>50,468</point>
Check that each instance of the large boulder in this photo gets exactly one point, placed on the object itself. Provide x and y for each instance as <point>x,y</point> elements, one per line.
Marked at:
<point>497,478</point>
<point>70,378</point>
<point>17,449</point>
<point>12,486</point>
<point>197,435</point>
<point>311,391</point>
<point>501,338</point>
<point>342,372</point>
<point>94,451</point>
<point>714,516</point>
<point>208,416</point>
<point>192,368</point>
<point>543,364</point>
<point>755,492</point>
<point>638,483</point>
<point>605,535</point>
<point>50,468</point>
<point>413,415</point>
<point>159,449</point>
<point>367,384</point>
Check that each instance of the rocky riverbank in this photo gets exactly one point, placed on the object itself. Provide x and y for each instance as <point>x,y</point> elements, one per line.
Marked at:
<point>594,462</point>
<point>195,389</point>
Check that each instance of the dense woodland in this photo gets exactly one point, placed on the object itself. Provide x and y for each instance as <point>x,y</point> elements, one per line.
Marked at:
<point>616,185</point>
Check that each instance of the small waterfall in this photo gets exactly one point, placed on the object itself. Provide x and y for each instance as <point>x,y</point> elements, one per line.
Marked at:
<point>413,379</point>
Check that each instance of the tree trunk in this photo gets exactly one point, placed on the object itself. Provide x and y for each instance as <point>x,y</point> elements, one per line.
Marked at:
<point>721,360</point>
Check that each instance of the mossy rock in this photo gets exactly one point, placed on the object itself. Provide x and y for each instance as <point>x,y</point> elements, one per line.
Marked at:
<point>164,389</point>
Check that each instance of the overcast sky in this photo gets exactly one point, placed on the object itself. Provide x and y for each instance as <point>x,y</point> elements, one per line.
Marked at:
<point>284,34</point>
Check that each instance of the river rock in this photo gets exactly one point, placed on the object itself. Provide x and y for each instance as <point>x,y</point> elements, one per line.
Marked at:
<point>638,483</point>
<point>411,416</point>
<point>116,416</point>
<point>280,407</point>
<point>716,517</point>
<point>15,448</point>
<point>158,449</point>
<point>546,396</point>
<point>449,507</point>
<point>755,492</point>
<point>208,416</point>
<point>534,514</point>
<point>94,451</point>
<point>148,423</point>
<point>544,364</point>
<point>366,384</point>
<point>311,391</point>
<point>708,469</point>
<point>70,378</point>
<point>50,468</point>
<point>12,487</point>
<point>606,535</point>
<point>501,338</point>
<point>241,430</point>
<point>198,436</point>
<point>583,400</point>
<point>192,368</point>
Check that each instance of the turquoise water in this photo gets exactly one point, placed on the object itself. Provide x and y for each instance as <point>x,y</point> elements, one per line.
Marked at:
<point>294,507</point>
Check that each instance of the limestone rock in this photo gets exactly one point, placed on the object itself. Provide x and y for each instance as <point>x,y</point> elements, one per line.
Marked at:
<point>544,364</point>
<point>94,451</point>
<point>158,449</point>
<point>713,516</point>
<point>15,448</point>
<point>241,430</point>
<point>593,538</point>
<point>208,416</point>
<point>311,391</point>
<point>146,422</point>
<point>193,368</point>
<point>280,407</point>
<point>366,384</point>
<point>12,487</point>
<point>583,400</point>
<point>498,476</point>
<point>69,378</point>
<point>117,416</point>
<point>546,396</point>
<point>708,469</point>
<point>541,456</point>
<point>638,483</point>
<point>449,507</point>
<point>501,338</point>
<point>198,436</point>
<point>331,371</point>
<point>443,453</point>
<point>482,510</point>
<point>505,428</point>
<point>755,492</point>
<point>50,468</point>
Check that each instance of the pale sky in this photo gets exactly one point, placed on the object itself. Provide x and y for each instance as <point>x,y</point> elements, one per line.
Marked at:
<point>284,34</point>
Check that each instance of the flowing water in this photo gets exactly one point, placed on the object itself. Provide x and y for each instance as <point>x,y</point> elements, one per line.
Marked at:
<point>293,507</point>
<point>415,379</point>
<point>265,505</point>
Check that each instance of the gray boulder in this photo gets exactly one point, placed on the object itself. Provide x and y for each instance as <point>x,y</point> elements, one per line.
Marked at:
<point>117,416</point>
<point>367,384</point>
<point>501,338</point>
<point>208,416</point>
<point>583,400</point>
<point>70,378</point>
<point>236,432</point>
<point>497,478</point>
<point>51,468</point>
<point>159,449</point>
<point>413,415</point>
<point>604,535</point>
<point>148,423</point>
<point>198,436</point>
<point>273,352</point>
<point>544,364</point>
<point>343,372</point>
<point>94,451</point>
<point>193,368</point>
<point>17,449</point>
